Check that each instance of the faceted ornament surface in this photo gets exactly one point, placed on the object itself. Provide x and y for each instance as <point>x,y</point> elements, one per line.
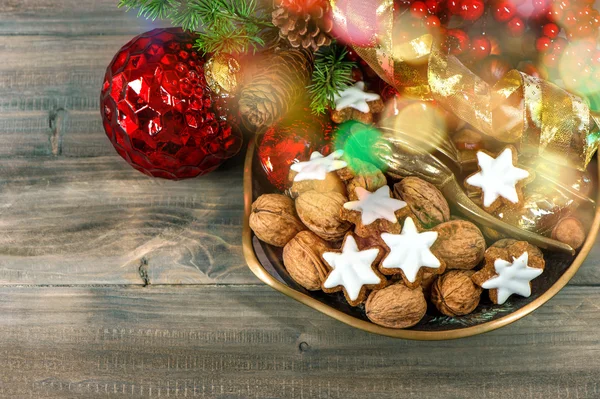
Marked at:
<point>158,111</point>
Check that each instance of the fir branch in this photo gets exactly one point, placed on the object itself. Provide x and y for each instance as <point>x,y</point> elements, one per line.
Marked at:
<point>149,9</point>
<point>223,25</point>
<point>332,74</point>
<point>228,39</point>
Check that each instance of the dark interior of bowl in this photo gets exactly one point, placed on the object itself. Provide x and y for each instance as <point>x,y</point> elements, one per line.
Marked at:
<point>271,259</point>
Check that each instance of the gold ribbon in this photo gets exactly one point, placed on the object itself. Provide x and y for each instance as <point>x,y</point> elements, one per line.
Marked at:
<point>538,116</point>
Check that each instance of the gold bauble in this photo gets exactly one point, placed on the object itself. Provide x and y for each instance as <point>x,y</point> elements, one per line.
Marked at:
<point>223,74</point>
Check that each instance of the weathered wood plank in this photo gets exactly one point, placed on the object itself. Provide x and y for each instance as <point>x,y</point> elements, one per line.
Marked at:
<point>69,18</point>
<point>252,342</point>
<point>96,221</point>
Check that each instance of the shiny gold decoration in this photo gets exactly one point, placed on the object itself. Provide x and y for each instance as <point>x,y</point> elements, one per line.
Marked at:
<point>540,117</point>
<point>251,183</point>
<point>223,74</point>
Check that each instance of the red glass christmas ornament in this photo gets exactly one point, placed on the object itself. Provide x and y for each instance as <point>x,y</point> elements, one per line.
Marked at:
<point>471,10</point>
<point>158,111</point>
<point>504,11</point>
<point>292,140</point>
<point>516,26</point>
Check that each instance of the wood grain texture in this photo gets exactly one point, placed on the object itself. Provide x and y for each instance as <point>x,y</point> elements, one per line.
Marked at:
<point>97,221</point>
<point>68,18</point>
<point>251,342</point>
<point>51,85</point>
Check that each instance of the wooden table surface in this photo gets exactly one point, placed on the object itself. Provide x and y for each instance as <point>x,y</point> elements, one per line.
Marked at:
<point>114,284</point>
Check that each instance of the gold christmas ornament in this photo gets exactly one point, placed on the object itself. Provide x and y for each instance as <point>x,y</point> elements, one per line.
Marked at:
<point>223,74</point>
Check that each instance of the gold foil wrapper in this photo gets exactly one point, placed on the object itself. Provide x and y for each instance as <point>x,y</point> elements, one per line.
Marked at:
<point>539,117</point>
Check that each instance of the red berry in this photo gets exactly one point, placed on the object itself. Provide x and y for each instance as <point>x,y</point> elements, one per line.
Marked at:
<point>516,26</point>
<point>551,30</point>
<point>504,11</point>
<point>559,45</point>
<point>418,9</point>
<point>458,41</point>
<point>480,47</point>
<point>471,10</point>
<point>543,44</point>
<point>596,59</point>
<point>432,22</point>
<point>433,6</point>
<point>454,6</point>
<point>555,14</point>
<point>550,59</point>
<point>539,4</point>
<point>584,30</point>
<point>569,19</point>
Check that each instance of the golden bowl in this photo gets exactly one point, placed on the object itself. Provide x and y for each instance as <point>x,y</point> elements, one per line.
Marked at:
<point>265,262</point>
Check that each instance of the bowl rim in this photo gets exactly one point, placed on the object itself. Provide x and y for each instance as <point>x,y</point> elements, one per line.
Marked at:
<point>260,272</point>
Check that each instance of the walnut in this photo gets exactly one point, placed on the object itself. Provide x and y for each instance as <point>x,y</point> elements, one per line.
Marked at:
<point>320,212</point>
<point>396,306</point>
<point>302,260</point>
<point>274,219</point>
<point>424,200</point>
<point>332,182</point>
<point>356,167</point>
<point>570,231</point>
<point>455,294</point>
<point>460,244</point>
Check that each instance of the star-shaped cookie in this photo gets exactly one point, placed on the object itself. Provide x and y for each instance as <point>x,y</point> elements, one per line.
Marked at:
<point>504,277</point>
<point>498,179</point>
<point>512,278</point>
<point>353,271</point>
<point>377,205</point>
<point>410,254</point>
<point>355,97</point>
<point>318,166</point>
<point>374,212</point>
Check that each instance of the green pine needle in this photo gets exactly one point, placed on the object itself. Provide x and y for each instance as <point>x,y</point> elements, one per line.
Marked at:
<point>223,25</point>
<point>332,75</point>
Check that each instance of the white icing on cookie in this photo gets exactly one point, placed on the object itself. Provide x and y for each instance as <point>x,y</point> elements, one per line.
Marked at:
<point>512,278</point>
<point>352,268</point>
<point>318,166</point>
<point>409,250</point>
<point>498,177</point>
<point>355,97</point>
<point>377,205</point>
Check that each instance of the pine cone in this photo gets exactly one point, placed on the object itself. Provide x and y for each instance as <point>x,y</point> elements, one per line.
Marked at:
<point>279,82</point>
<point>305,23</point>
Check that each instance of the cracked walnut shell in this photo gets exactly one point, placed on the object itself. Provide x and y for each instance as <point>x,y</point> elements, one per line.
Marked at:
<point>274,220</point>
